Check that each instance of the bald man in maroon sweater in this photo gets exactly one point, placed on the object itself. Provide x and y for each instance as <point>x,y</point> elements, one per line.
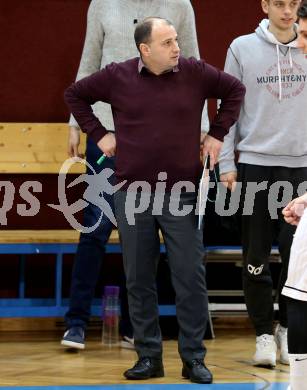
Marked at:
<point>157,103</point>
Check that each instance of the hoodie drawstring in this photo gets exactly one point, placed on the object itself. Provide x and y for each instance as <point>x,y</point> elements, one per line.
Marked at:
<point>279,73</point>
<point>279,70</point>
<point>290,58</point>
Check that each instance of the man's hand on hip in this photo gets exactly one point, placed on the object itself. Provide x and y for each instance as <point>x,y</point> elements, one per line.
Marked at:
<point>108,144</point>
<point>212,147</point>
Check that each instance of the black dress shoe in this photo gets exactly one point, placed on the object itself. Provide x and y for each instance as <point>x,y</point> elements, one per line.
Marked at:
<point>145,368</point>
<point>196,371</point>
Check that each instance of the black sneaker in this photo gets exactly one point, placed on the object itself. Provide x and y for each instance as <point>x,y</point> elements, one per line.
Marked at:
<point>74,338</point>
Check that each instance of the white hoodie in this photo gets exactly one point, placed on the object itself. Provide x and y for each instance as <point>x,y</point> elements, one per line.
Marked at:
<point>296,284</point>
<point>272,128</point>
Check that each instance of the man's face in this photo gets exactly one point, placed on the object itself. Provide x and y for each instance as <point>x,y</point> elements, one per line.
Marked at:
<point>282,13</point>
<point>302,35</point>
<point>163,49</point>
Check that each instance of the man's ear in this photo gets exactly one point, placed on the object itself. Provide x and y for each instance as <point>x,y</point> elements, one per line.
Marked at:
<point>144,49</point>
<point>265,6</point>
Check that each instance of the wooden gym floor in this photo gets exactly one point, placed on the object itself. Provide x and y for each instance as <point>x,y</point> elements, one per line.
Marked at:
<point>36,360</point>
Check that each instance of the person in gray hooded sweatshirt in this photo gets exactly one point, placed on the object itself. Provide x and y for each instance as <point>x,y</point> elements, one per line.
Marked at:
<point>271,141</point>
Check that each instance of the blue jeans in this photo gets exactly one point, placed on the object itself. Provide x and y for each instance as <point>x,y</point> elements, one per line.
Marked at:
<point>88,259</point>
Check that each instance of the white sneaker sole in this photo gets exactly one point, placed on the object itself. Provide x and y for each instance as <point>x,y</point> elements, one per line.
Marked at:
<point>271,362</point>
<point>284,361</point>
<point>127,345</point>
<point>72,344</point>
<point>264,362</point>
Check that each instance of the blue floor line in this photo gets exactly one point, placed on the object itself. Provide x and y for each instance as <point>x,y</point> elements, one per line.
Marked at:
<point>216,386</point>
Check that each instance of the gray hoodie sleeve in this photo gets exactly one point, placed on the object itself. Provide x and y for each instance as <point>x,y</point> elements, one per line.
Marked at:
<point>227,155</point>
<point>93,47</point>
<point>187,39</point>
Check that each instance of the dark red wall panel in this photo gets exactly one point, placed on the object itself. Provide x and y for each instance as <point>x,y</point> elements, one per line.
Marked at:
<point>41,43</point>
<point>220,21</point>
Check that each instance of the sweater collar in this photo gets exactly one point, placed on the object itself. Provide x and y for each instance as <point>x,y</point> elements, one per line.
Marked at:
<point>142,66</point>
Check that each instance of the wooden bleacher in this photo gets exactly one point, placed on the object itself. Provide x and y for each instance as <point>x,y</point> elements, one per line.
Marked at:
<point>35,148</point>
<point>29,149</point>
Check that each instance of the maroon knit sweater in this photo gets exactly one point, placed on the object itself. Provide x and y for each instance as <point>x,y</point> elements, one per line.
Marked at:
<point>157,118</point>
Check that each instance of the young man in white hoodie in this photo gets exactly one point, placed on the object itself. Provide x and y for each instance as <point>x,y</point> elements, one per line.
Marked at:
<point>295,288</point>
<point>271,140</point>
